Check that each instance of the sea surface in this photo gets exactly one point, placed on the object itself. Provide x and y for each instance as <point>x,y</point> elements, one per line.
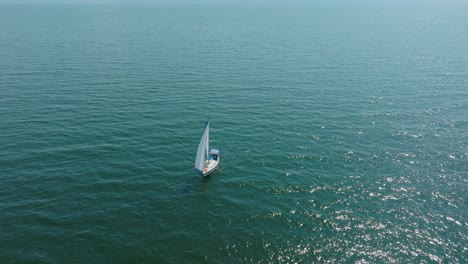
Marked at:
<point>342,126</point>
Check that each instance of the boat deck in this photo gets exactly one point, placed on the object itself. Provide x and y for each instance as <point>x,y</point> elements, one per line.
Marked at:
<point>212,164</point>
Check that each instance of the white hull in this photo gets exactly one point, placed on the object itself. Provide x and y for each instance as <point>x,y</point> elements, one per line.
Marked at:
<point>210,167</point>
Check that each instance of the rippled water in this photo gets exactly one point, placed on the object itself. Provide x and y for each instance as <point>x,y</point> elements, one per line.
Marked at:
<point>342,130</point>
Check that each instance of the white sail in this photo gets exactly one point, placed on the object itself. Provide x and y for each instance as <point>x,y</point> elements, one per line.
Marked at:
<point>202,153</point>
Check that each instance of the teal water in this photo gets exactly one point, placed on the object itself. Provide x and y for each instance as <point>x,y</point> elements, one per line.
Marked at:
<point>343,133</point>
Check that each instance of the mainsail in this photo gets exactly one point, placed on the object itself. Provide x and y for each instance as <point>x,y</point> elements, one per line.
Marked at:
<point>202,153</point>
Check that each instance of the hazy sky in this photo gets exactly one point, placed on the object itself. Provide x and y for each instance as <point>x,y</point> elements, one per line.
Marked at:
<point>208,1</point>
<point>282,2</point>
<point>160,1</point>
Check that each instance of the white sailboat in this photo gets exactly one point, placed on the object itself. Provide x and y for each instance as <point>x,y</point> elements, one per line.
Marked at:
<point>206,162</point>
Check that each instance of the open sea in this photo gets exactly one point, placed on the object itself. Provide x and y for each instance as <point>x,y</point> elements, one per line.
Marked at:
<point>342,126</point>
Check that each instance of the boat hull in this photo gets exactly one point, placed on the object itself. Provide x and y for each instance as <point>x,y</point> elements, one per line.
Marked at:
<point>211,167</point>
